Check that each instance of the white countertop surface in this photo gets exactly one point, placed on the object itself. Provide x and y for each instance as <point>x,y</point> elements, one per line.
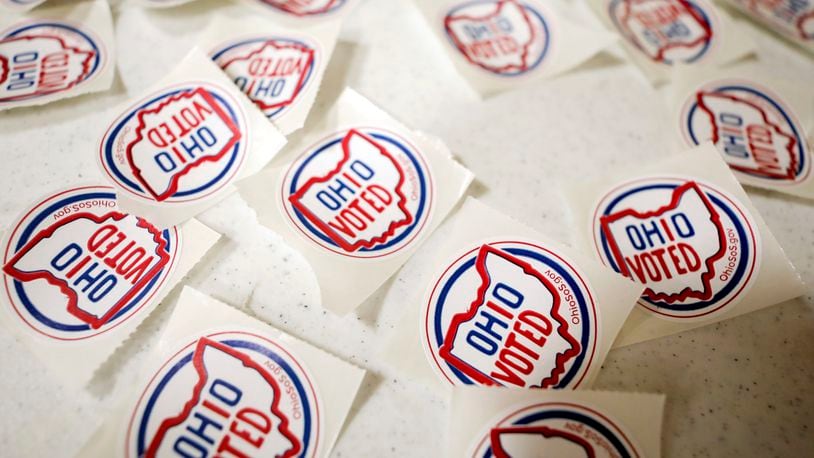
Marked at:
<point>738,388</point>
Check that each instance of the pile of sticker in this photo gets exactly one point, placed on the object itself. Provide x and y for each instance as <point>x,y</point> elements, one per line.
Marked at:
<point>668,246</point>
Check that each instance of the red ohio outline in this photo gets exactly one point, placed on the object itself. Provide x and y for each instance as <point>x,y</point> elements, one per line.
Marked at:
<point>445,350</point>
<point>462,47</point>
<point>545,431</point>
<point>171,190</point>
<point>86,64</point>
<point>72,307</point>
<point>300,83</point>
<point>330,232</point>
<point>296,11</point>
<point>706,277</point>
<point>790,171</point>
<point>580,408</point>
<point>687,8</point>
<point>197,361</point>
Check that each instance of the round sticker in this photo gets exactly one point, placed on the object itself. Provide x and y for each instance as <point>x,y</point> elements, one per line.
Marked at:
<point>793,18</point>
<point>363,192</point>
<point>227,394</point>
<point>561,429</point>
<point>180,144</point>
<point>305,8</point>
<point>272,71</point>
<point>666,31</point>
<point>75,267</point>
<point>22,4</point>
<point>511,313</point>
<point>43,58</point>
<point>694,246</point>
<point>755,131</point>
<point>502,37</point>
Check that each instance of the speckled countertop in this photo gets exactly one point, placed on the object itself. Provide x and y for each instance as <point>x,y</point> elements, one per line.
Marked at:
<point>739,388</point>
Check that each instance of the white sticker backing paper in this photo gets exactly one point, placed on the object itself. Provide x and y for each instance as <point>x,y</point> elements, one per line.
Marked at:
<point>79,276</point>
<point>56,52</point>
<point>501,423</point>
<point>357,195</point>
<point>499,45</point>
<point>221,383</point>
<point>759,125</point>
<point>664,35</point>
<point>179,148</point>
<point>685,229</point>
<point>508,307</point>
<point>278,68</point>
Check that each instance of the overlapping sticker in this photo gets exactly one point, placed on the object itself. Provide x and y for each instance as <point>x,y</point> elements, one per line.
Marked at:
<point>176,150</point>
<point>279,69</point>
<point>160,3</point>
<point>509,308</point>
<point>56,52</point>
<point>686,231</point>
<point>222,383</point>
<point>516,423</point>
<point>792,19</point>
<point>759,125</point>
<point>358,195</point>
<point>500,44</point>
<point>79,275</point>
<point>298,11</point>
<point>663,35</point>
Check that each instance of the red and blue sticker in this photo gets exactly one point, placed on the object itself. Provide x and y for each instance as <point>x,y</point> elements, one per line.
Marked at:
<point>511,313</point>
<point>362,192</point>
<point>74,267</point>
<point>502,37</point>
<point>756,132</point>
<point>47,57</point>
<point>559,428</point>
<point>23,3</point>
<point>666,31</point>
<point>305,8</point>
<point>180,144</point>
<point>227,394</point>
<point>271,71</point>
<point>795,17</point>
<point>694,247</point>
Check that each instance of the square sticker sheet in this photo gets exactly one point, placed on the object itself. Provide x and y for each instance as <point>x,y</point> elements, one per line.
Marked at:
<point>280,69</point>
<point>79,276</point>
<point>177,149</point>
<point>685,230</point>
<point>499,45</point>
<point>759,124</point>
<point>508,307</point>
<point>55,52</point>
<point>664,35</point>
<point>356,195</point>
<point>791,19</point>
<point>221,383</point>
<point>489,422</point>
